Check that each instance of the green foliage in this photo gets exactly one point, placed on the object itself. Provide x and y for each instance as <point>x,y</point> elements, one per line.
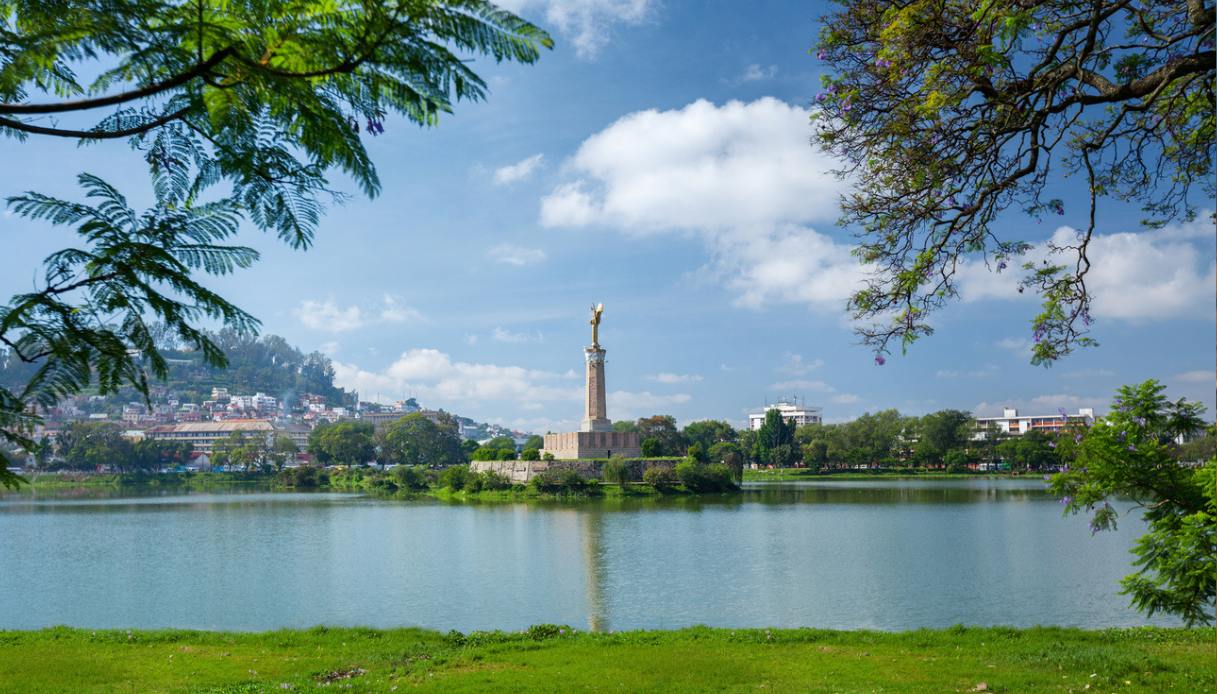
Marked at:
<point>303,477</point>
<point>697,452</point>
<point>1033,450</point>
<point>651,448</point>
<point>661,429</point>
<point>454,477</point>
<point>775,433</point>
<point>240,111</point>
<point>662,479</point>
<point>1132,454</point>
<point>729,454</point>
<point>498,448</point>
<point>709,432</point>
<point>946,116</point>
<point>616,471</point>
<point>409,477</point>
<point>416,440</point>
<point>701,478</point>
<point>530,454</point>
<point>534,441</point>
<point>957,460</point>
<point>342,443</point>
<point>559,482</point>
<point>488,481</point>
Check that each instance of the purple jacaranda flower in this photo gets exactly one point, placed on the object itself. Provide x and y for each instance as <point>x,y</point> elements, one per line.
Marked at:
<point>950,201</point>
<point>1094,527</point>
<point>1052,444</point>
<point>846,106</point>
<point>1139,420</point>
<point>821,97</point>
<point>1077,438</point>
<point>879,360</point>
<point>1001,265</point>
<point>1066,500</point>
<point>1123,435</point>
<point>1062,412</point>
<point>821,54</point>
<point>1132,448</point>
<point>1047,478</point>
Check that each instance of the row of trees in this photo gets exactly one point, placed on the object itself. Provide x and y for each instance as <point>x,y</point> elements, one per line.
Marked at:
<point>92,445</point>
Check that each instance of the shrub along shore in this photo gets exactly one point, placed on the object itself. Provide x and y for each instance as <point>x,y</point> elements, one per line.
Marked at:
<point>551,658</point>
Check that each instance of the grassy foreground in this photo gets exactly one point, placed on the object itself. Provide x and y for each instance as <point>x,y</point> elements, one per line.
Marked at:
<point>547,658</point>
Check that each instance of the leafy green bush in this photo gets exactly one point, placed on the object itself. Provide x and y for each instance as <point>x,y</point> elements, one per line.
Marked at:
<point>304,477</point>
<point>488,480</point>
<point>663,479</point>
<point>651,447</point>
<point>559,482</point>
<point>530,454</point>
<point>454,477</point>
<point>616,471</point>
<point>701,478</point>
<point>957,461</point>
<point>409,477</point>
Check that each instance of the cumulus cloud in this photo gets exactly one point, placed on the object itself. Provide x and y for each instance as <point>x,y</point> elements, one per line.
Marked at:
<point>674,378</point>
<point>802,384</point>
<point>1134,276</point>
<point>519,171</point>
<point>328,316</point>
<point>741,177</point>
<point>952,374</point>
<point>472,388</point>
<point>519,256</point>
<point>1203,376</point>
<point>587,24</point>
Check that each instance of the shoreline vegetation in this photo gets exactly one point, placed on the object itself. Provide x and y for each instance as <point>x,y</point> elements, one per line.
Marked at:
<point>557,658</point>
<point>433,483</point>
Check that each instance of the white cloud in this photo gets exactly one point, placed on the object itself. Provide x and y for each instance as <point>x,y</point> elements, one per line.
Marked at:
<point>756,73</point>
<point>328,316</point>
<point>631,405</point>
<point>587,24</point>
<point>1134,276</point>
<point>480,389</point>
<point>674,378</point>
<point>329,349</point>
<point>1202,376</point>
<point>845,399</point>
<point>395,311</point>
<point>471,340</point>
<point>742,177</point>
<point>1018,345</point>
<point>794,364</point>
<point>503,335</point>
<point>519,171</point>
<point>515,255</point>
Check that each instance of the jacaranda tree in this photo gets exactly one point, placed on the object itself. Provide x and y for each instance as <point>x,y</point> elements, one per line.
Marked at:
<point>241,110</point>
<point>947,113</point>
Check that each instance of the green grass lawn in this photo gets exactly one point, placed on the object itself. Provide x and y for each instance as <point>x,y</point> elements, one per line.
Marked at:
<point>697,659</point>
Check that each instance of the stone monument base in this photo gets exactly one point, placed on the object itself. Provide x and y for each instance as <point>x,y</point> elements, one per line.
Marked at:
<point>578,445</point>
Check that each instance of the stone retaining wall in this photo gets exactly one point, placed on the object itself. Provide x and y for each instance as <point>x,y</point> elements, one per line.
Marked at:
<point>520,471</point>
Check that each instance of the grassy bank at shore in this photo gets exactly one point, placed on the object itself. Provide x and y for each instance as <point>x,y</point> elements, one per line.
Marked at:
<point>552,659</point>
<point>795,474</point>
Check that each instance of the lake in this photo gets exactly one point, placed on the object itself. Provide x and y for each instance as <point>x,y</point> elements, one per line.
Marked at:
<point>883,554</point>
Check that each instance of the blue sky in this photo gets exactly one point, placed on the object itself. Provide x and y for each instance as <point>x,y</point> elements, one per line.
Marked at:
<point>656,161</point>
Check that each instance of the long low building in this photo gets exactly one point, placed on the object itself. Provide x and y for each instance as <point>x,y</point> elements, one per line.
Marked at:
<point>1011,423</point>
<point>204,435</point>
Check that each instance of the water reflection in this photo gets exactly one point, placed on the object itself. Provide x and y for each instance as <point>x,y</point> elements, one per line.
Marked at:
<point>890,554</point>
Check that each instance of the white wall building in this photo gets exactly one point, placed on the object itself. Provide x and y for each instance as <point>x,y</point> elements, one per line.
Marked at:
<point>1011,423</point>
<point>791,412</point>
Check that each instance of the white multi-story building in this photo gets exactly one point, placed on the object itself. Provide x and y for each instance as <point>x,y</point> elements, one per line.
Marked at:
<point>1011,423</point>
<point>791,412</point>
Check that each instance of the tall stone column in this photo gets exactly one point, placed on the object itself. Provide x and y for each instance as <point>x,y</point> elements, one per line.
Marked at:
<point>595,413</point>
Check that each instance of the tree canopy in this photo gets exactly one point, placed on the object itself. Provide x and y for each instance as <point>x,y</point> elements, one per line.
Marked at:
<point>1133,454</point>
<point>241,111</point>
<point>946,114</point>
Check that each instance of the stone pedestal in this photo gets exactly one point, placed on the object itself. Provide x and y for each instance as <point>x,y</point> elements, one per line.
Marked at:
<point>584,445</point>
<point>595,408</point>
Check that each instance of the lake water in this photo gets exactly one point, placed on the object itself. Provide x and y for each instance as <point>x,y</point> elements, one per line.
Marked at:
<point>890,554</point>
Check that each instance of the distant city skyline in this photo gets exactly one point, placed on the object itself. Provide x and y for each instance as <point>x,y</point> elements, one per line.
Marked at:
<point>657,160</point>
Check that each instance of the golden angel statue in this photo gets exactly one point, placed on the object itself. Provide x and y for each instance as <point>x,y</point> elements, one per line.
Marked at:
<point>595,321</point>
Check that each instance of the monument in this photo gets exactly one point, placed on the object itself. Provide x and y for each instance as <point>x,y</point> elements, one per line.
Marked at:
<point>595,438</point>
